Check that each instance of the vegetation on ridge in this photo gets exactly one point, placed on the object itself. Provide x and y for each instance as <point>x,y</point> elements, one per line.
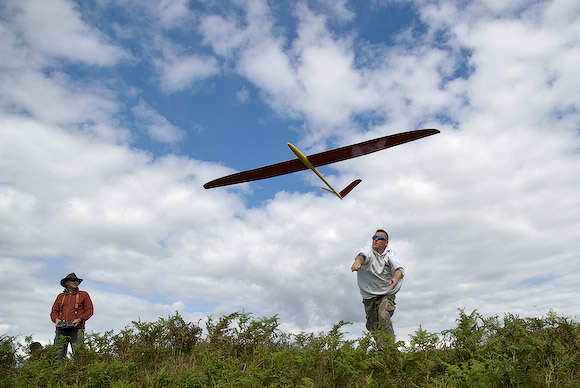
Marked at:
<point>240,351</point>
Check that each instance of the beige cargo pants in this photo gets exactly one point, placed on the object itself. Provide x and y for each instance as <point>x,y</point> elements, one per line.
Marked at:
<point>379,311</point>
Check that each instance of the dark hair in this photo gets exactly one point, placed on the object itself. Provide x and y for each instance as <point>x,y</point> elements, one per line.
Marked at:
<point>383,231</point>
<point>35,349</point>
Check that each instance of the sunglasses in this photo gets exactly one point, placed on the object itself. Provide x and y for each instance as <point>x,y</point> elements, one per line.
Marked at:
<point>378,238</point>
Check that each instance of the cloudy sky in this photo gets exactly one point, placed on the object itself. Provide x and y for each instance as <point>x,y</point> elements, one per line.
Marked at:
<point>113,114</point>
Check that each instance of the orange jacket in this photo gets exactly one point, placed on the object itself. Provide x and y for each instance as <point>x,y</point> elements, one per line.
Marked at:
<point>67,307</point>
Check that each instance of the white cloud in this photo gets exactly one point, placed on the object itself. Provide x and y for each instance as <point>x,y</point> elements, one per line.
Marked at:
<point>55,98</point>
<point>338,9</point>
<point>158,127</point>
<point>179,71</point>
<point>172,13</point>
<point>56,29</point>
<point>319,78</point>
<point>243,95</point>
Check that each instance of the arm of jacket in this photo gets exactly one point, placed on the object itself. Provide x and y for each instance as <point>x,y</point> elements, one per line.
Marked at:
<point>55,312</point>
<point>87,306</point>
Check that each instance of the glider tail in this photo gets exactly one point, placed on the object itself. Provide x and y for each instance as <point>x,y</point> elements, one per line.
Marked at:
<point>346,190</point>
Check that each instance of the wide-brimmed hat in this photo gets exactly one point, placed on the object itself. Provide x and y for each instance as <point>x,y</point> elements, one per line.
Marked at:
<point>70,276</point>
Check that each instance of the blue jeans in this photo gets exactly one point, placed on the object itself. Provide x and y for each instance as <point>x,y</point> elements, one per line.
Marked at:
<point>64,337</point>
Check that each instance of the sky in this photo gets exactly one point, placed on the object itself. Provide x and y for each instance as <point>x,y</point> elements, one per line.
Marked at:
<point>113,114</point>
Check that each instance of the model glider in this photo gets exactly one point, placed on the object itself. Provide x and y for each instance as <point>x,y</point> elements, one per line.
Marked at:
<point>321,159</point>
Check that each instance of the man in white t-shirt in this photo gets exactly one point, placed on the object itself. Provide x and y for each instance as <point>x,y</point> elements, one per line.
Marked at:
<point>379,276</point>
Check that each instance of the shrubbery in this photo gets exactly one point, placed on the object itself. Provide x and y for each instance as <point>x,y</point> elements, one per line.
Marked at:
<point>240,351</point>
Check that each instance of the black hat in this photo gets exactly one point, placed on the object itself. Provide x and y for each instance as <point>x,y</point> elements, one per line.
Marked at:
<point>70,276</point>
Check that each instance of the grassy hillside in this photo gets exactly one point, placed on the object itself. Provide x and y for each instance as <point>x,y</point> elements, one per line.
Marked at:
<point>240,351</point>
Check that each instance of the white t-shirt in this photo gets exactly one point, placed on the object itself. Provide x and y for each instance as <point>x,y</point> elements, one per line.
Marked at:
<point>376,271</point>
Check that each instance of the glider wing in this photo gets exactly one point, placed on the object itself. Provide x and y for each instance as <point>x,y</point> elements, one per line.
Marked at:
<point>322,158</point>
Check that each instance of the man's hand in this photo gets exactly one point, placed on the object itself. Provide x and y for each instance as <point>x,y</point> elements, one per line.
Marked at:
<point>56,322</point>
<point>357,263</point>
<point>396,277</point>
<point>76,321</point>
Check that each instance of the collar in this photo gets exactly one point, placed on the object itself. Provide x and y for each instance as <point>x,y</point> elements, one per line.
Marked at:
<point>384,252</point>
<point>66,291</point>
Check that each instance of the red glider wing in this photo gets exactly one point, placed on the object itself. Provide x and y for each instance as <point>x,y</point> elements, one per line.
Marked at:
<point>321,158</point>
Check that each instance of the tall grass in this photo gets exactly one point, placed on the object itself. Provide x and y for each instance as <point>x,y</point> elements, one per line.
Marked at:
<point>238,350</point>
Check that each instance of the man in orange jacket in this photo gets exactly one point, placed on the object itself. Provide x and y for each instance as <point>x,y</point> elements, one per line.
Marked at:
<point>70,310</point>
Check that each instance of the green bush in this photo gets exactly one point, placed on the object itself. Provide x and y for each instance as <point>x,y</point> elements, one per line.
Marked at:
<point>241,351</point>
<point>7,352</point>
